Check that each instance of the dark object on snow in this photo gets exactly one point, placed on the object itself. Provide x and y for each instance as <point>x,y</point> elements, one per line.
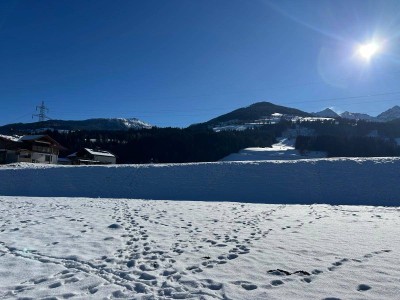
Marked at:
<point>301,272</point>
<point>281,272</point>
<point>130,264</point>
<point>114,226</point>
<point>206,257</point>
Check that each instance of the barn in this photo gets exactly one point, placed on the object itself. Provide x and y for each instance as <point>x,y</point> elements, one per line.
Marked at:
<point>87,156</point>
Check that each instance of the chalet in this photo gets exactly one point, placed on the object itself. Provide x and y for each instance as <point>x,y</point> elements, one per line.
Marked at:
<point>29,148</point>
<point>87,156</point>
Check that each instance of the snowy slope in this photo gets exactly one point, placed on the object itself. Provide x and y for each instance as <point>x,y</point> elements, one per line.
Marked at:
<point>390,114</point>
<point>133,123</point>
<point>358,116</point>
<point>365,181</point>
<point>283,150</point>
<point>76,248</point>
<point>72,125</point>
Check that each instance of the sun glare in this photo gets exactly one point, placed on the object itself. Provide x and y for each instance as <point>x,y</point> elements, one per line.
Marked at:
<point>366,51</point>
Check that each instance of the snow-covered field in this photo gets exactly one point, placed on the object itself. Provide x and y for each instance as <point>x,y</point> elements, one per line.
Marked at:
<point>55,244</point>
<point>283,150</point>
<point>82,248</point>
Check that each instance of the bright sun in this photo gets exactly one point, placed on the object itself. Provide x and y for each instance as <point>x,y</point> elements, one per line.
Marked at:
<point>366,51</point>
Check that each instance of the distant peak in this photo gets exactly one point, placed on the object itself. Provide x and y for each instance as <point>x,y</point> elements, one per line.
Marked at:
<point>357,116</point>
<point>261,103</point>
<point>390,114</point>
<point>327,113</point>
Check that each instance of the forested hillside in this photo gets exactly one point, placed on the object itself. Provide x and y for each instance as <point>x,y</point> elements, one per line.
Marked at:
<point>168,145</point>
<point>347,138</point>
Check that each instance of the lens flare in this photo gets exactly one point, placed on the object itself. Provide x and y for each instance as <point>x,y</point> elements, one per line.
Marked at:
<point>367,51</point>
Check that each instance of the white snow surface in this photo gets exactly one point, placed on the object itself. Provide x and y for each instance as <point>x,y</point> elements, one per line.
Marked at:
<point>283,150</point>
<point>10,137</point>
<point>82,248</point>
<point>95,243</point>
<point>358,181</point>
<point>134,123</point>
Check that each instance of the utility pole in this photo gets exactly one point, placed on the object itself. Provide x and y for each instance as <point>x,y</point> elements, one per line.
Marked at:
<point>42,112</point>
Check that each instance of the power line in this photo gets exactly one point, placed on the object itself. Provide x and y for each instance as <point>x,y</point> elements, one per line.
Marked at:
<point>192,112</point>
<point>346,98</point>
<point>200,111</point>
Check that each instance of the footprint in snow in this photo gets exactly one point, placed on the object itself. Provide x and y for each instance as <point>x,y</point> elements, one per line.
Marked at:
<point>249,286</point>
<point>55,285</point>
<point>363,287</point>
<point>277,282</point>
<point>114,226</point>
<point>246,285</point>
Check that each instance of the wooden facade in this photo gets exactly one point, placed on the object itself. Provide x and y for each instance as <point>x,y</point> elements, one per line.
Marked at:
<point>29,148</point>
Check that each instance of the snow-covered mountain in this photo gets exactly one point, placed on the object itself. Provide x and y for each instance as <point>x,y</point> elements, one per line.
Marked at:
<point>267,113</point>
<point>258,114</point>
<point>90,124</point>
<point>326,113</point>
<point>132,123</point>
<point>390,114</point>
<point>357,116</point>
<point>262,113</point>
<point>252,114</point>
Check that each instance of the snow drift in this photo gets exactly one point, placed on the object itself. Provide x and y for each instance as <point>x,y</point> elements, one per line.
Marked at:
<point>359,181</point>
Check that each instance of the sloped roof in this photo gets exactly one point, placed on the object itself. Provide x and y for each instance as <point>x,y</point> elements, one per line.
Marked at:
<point>32,137</point>
<point>99,152</point>
<point>10,138</point>
<point>73,154</point>
<point>29,138</point>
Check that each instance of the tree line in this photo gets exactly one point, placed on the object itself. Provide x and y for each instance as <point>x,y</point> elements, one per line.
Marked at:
<point>347,138</point>
<point>166,145</point>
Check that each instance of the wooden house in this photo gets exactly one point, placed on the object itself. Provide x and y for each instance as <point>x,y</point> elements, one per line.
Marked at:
<point>29,148</point>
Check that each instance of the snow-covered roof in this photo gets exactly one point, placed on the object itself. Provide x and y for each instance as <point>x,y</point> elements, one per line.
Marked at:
<point>73,154</point>
<point>31,137</point>
<point>36,138</point>
<point>10,138</point>
<point>99,152</point>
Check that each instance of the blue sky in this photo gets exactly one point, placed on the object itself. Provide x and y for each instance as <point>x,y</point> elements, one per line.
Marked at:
<point>178,62</point>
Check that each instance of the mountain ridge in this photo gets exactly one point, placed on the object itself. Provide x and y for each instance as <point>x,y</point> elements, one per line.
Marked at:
<point>326,113</point>
<point>257,112</point>
<point>251,113</point>
<point>390,114</point>
<point>70,125</point>
<point>357,116</point>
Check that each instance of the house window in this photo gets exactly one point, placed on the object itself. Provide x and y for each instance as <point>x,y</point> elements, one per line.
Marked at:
<point>48,158</point>
<point>3,156</point>
<point>41,149</point>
